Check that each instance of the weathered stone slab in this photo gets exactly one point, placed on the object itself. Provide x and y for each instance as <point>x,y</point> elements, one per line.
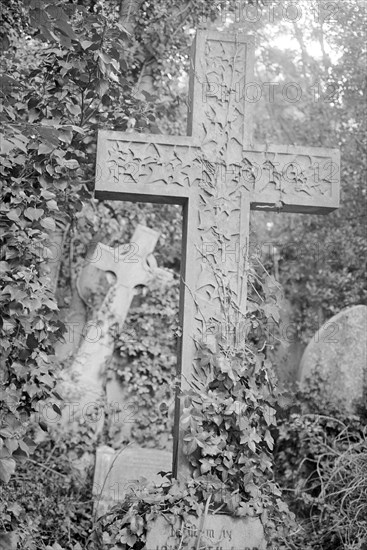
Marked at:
<point>338,352</point>
<point>118,473</point>
<point>217,532</point>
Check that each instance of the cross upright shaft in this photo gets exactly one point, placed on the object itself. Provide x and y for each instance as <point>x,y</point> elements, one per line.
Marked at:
<point>217,174</point>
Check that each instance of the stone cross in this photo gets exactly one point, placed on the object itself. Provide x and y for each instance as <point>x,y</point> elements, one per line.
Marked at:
<point>131,268</point>
<point>217,174</point>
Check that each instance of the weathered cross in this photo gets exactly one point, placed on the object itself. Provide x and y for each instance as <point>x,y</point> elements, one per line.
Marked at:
<point>218,175</point>
<point>131,268</point>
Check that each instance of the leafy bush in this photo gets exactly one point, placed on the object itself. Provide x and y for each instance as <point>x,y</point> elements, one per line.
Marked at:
<point>48,501</point>
<point>321,464</point>
<point>148,350</point>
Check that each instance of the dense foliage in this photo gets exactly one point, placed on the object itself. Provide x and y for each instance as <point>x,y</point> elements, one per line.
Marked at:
<point>65,73</point>
<point>47,502</point>
<point>321,465</point>
<point>148,364</point>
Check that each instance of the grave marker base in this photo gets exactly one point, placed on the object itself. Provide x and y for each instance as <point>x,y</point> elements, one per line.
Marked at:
<point>120,473</point>
<point>218,532</point>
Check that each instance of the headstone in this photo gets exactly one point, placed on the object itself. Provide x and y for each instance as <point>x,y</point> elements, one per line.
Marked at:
<point>338,353</point>
<point>217,174</point>
<point>131,268</point>
<point>125,471</point>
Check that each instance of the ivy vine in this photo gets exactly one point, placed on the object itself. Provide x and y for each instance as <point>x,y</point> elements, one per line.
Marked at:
<point>229,418</point>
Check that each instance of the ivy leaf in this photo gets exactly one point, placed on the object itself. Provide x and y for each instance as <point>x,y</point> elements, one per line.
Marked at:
<point>253,438</point>
<point>72,164</point>
<point>4,267</point>
<point>13,215</point>
<point>52,205</point>
<point>32,342</point>
<point>65,136</point>
<point>51,304</point>
<point>127,538</point>
<point>33,213</point>
<point>73,109</point>
<point>45,148</point>
<point>66,29</point>
<point>85,44</point>
<point>105,57</point>
<point>7,469</point>
<point>253,490</point>
<point>19,141</point>
<point>11,444</point>
<point>102,87</point>
<point>269,415</point>
<point>48,223</point>
<point>190,444</point>
<point>47,195</point>
<point>27,445</point>
<point>206,465</point>
<point>269,440</point>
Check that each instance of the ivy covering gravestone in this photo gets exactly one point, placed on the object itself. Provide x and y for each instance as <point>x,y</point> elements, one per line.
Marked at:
<point>217,174</point>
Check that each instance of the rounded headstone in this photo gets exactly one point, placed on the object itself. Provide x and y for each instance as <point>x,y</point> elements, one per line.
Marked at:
<point>338,354</point>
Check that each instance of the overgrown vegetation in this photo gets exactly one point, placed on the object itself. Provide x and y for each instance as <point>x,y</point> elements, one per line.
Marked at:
<point>148,351</point>
<point>48,501</point>
<point>320,462</point>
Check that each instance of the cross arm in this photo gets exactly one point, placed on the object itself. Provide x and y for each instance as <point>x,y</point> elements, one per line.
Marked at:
<point>292,179</point>
<point>156,168</point>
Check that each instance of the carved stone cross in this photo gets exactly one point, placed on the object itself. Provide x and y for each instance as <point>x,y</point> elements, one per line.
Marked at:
<point>132,268</point>
<point>217,174</point>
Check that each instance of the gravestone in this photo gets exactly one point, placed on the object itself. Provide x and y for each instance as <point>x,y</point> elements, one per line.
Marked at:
<point>131,268</point>
<point>217,174</point>
<point>338,353</point>
<point>131,265</point>
<point>123,472</point>
<point>216,532</point>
